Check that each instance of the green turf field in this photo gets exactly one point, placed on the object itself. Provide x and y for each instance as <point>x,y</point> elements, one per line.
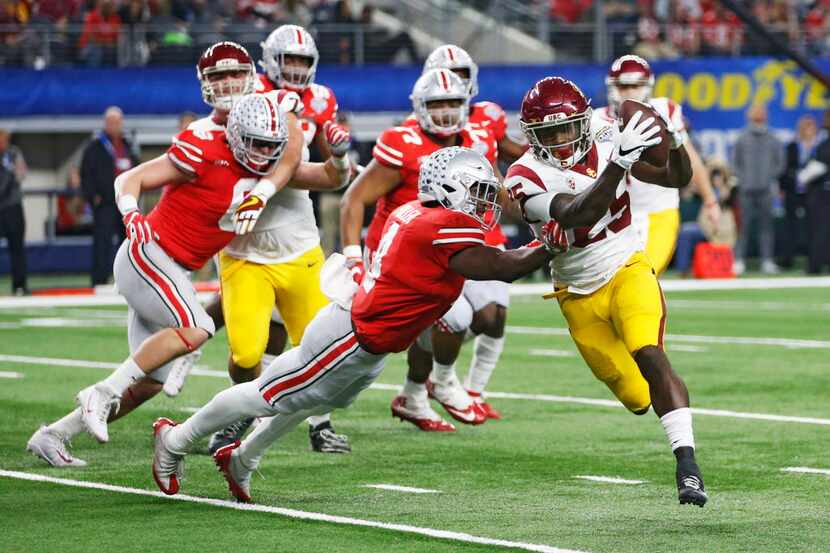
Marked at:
<point>510,480</point>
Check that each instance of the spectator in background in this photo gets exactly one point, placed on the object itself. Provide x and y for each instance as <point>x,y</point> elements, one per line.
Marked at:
<point>12,221</point>
<point>380,46</point>
<point>816,175</point>
<point>106,156</point>
<point>801,150</point>
<point>757,161</point>
<point>99,38</point>
<point>650,45</point>
<point>134,15</point>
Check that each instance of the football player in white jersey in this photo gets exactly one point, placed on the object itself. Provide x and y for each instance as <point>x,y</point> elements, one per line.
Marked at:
<point>283,253</point>
<point>606,287</point>
<point>654,208</point>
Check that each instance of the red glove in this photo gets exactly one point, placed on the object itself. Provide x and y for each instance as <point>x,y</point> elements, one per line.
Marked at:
<point>555,237</point>
<point>338,138</point>
<point>138,228</point>
<point>246,215</point>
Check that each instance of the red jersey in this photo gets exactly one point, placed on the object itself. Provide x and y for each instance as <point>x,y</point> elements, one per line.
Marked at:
<point>403,148</point>
<point>193,220</point>
<point>319,105</point>
<point>409,284</point>
<point>489,115</point>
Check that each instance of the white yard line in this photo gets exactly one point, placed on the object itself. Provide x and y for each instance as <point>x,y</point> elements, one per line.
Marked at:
<point>405,489</point>
<point>392,387</point>
<point>551,352</point>
<point>686,349</point>
<point>290,513</point>
<point>8,374</point>
<point>692,338</point>
<point>806,470</point>
<point>608,479</point>
<point>731,305</point>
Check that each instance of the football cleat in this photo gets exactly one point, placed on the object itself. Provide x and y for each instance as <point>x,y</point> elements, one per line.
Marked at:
<point>168,467</point>
<point>325,440</point>
<point>484,407</point>
<point>689,481</point>
<point>51,447</point>
<point>236,474</point>
<point>228,435</point>
<point>421,415</point>
<point>456,401</point>
<point>96,402</point>
<point>178,373</point>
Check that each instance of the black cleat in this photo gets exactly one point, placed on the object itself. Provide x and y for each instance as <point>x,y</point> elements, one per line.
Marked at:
<point>325,440</point>
<point>690,488</point>
<point>228,435</point>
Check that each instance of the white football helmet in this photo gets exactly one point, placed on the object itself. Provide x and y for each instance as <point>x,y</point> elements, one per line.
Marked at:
<point>289,40</point>
<point>455,58</point>
<point>225,57</point>
<point>629,78</point>
<point>257,133</point>
<point>462,180</point>
<point>435,85</point>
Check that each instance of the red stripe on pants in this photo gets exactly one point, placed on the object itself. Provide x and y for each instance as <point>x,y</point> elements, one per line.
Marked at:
<point>162,285</point>
<point>312,371</point>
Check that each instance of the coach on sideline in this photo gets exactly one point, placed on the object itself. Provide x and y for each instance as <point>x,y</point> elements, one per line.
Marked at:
<point>12,222</point>
<point>105,157</point>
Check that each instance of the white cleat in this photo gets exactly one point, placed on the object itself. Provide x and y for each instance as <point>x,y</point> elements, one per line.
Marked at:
<point>51,447</point>
<point>168,467</point>
<point>178,373</point>
<point>96,401</point>
<point>420,414</point>
<point>455,399</point>
<point>236,474</point>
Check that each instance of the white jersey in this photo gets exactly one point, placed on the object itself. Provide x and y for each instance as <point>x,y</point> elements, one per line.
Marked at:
<point>286,229</point>
<point>645,197</point>
<point>596,253</point>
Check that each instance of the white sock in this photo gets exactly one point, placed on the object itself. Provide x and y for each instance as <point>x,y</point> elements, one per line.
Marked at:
<point>415,391</point>
<point>267,359</point>
<point>266,433</point>
<point>317,420</point>
<point>486,353</point>
<point>678,426</point>
<point>441,372</point>
<point>69,426</point>
<point>123,377</point>
<point>228,406</point>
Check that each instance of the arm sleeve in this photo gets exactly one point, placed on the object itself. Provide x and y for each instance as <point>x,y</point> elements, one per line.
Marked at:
<point>187,152</point>
<point>389,149</point>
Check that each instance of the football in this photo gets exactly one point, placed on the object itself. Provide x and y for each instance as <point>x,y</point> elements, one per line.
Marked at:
<point>657,155</point>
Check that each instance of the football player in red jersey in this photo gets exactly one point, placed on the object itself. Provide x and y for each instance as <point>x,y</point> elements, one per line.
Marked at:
<point>218,184</point>
<point>289,58</point>
<point>440,102</point>
<point>482,307</point>
<point>427,249</point>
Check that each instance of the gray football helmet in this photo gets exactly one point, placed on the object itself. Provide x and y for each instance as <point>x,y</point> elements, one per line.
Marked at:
<point>257,132</point>
<point>289,40</point>
<point>440,84</point>
<point>452,57</point>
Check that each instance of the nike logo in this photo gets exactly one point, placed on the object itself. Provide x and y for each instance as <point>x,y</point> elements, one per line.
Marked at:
<point>310,265</point>
<point>624,153</point>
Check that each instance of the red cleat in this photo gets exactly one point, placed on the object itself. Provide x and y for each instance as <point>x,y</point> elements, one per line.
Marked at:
<point>237,476</point>
<point>167,466</point>
<point>485,407</point>
<point>421,416</point>
<point>456,402</point>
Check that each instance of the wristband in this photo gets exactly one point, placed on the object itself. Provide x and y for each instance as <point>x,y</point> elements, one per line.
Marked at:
<point>265,189</point>
<point>353,250</point>
<point>127,203</point>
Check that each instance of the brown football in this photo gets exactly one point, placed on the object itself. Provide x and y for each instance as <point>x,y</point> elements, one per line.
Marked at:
<point>657,155</point>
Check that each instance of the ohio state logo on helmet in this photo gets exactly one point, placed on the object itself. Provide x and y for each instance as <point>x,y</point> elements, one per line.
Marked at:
<point>556,118</point>
<point>456,59</point>
<point>290,57</point>
<point>225,72</point>
<point>257,132</point>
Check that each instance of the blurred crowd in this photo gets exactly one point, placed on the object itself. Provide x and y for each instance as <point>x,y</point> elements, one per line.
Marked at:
<point>656,29</point>
<point>37,33</point>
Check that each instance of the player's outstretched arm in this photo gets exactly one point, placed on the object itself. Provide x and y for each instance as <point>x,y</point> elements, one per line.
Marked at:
<point>375,181</point>
<point>336,172</point>
<point>487,263</point>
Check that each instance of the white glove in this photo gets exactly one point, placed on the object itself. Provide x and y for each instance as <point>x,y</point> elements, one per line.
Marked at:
<point>633,139</point>
<point>677,138</point>
<point>247,214</point>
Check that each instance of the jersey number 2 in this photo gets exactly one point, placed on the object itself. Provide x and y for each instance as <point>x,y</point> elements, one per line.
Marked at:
<point>377,259</point>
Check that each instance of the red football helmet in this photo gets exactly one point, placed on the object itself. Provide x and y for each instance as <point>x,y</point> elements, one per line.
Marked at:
<point>556,118</point>
<point>225,57</point>
<point>629,78</point>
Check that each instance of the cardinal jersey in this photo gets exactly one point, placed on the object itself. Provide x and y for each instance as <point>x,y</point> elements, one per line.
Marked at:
<point>596,253</point>
<point>193,219</point>
<point>409,284</point>
<point>319,106</point>
<point>645,197</point>
<point>489,115</point>
<point>403,148</point>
